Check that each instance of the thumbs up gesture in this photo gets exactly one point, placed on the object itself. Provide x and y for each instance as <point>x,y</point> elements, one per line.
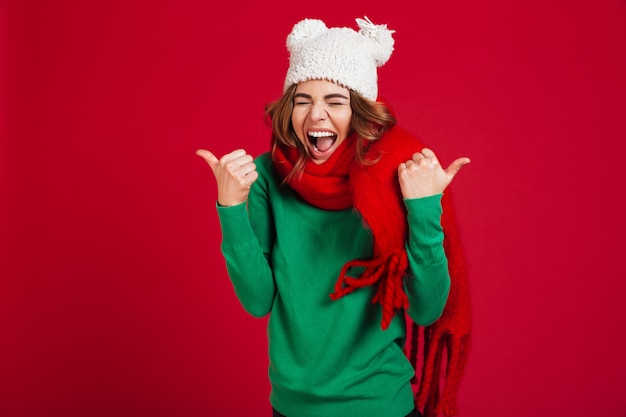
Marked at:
<point>423,176</point>
<point>235,173</point>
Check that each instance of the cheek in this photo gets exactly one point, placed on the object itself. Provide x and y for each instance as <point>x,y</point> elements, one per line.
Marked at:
<point>345,124</point>
<point>297,123</point>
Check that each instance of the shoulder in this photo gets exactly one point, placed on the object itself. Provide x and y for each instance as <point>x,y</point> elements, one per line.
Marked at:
<point>263,162</point>
<point>265,158</point>
<point>398,140</point>
<point>395,146</point>
<point>265,168</point>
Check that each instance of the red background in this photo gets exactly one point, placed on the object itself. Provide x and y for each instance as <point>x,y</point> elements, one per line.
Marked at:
<point>113,294</point>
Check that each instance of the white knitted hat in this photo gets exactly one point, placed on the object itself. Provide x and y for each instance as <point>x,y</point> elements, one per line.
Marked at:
<point>341,55</point>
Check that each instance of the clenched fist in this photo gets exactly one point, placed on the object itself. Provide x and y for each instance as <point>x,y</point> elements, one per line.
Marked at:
<point>235,173</point>
<point>423,176</point>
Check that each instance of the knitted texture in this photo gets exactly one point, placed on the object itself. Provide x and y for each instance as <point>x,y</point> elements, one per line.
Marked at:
<point>377,197</point>
<point>450,333</point>
<point>325,185</point>
<point>340,55</point>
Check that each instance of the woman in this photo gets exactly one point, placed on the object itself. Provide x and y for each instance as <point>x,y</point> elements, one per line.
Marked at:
<point>346,204</point>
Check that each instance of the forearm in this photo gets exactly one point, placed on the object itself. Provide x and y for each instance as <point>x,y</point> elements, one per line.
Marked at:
<point>428,280</point>
<point>247,265</point>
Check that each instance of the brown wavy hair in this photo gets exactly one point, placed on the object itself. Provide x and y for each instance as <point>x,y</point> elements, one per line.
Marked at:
<point>370,120</point>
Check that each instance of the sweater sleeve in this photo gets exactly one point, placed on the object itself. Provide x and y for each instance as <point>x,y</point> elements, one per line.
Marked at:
<point>246,259</point>
<point>428,280</point>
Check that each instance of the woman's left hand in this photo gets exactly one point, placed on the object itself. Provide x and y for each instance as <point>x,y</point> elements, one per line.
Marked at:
<point>423,176</point>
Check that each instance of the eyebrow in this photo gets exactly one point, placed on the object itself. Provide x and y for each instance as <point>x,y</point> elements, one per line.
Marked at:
<point>326,97</point>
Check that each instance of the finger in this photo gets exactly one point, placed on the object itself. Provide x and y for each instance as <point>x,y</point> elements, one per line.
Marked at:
<point>430,155</point>
<point>233,155</point>
<point>248,168</point>
<point>456,166</point>
<point>208,157</point>
<point>417,156</point>
<point>252,176</point>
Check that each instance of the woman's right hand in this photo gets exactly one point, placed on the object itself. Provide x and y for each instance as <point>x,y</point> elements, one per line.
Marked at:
<point>235,173</point>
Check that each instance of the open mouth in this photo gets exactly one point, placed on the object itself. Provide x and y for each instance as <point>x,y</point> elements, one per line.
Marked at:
<point>322,141</point>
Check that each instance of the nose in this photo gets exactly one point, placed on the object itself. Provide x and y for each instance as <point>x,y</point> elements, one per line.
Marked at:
<point>318,112</point>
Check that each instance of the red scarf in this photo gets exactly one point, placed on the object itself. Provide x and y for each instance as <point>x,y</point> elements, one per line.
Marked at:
<point>327,185</point>
<point>374,191</point>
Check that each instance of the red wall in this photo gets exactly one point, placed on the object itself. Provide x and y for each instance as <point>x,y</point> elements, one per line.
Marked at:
<point>113,294</point>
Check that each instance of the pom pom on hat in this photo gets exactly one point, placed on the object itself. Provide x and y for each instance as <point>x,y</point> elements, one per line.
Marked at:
<point>340,55</point>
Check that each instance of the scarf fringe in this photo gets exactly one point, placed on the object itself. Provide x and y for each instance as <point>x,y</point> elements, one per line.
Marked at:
<point>376,195</point>
<point>439,383</point>
<point>441,374</point>
<point>388,273</point>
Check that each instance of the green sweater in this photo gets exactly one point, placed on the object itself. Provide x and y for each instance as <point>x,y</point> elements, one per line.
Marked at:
<point>328,358</point>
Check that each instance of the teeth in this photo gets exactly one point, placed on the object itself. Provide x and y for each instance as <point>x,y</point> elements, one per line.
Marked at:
<point>315,136</point>
<point>320,134</point>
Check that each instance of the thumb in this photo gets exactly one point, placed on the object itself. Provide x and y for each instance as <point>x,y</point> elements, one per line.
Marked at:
<point>208,157</point>
<point>456,166</point>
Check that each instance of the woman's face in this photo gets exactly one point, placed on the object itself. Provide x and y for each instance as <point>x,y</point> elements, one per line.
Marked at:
<point>321,117</point>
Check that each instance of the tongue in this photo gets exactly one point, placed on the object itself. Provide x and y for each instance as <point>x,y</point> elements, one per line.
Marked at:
<point>324,144</point>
